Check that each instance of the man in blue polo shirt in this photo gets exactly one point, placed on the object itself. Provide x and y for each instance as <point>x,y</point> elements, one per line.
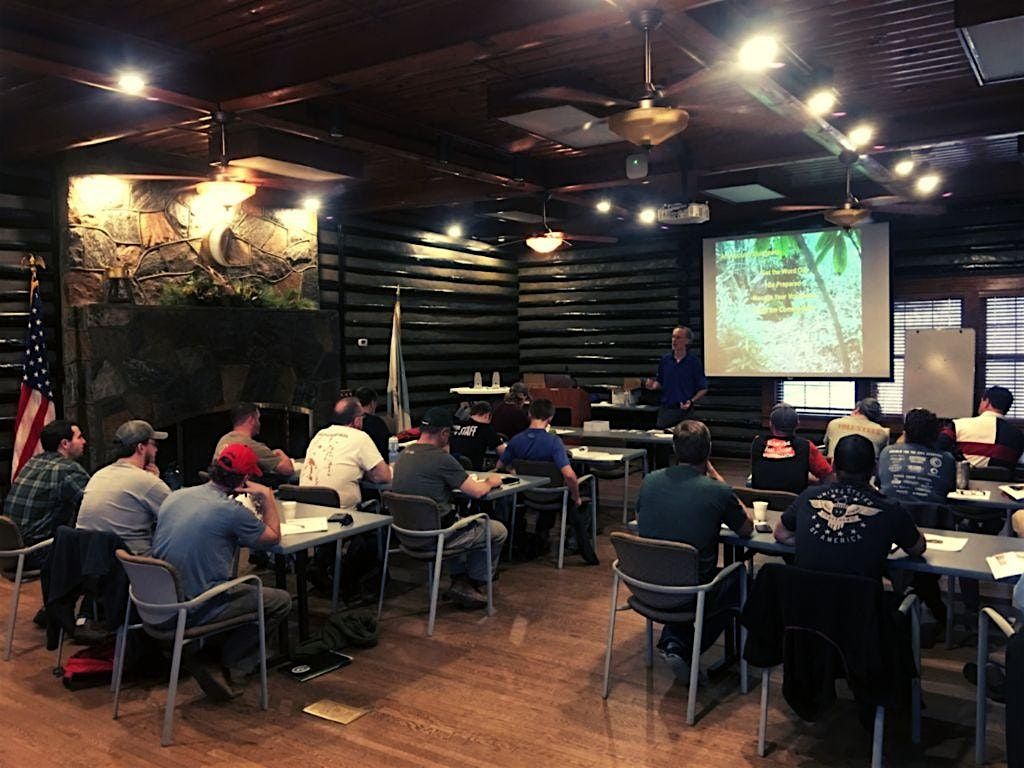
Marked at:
<point>680,379</point>
<point>537,444</point>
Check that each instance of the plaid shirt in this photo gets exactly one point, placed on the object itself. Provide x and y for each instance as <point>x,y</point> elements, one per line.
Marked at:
<point>46,493</point>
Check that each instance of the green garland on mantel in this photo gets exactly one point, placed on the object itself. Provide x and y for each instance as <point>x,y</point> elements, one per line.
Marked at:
<point>200,289</point>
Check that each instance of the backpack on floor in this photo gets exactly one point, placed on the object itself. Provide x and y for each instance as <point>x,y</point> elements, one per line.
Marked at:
<point>89,668</point>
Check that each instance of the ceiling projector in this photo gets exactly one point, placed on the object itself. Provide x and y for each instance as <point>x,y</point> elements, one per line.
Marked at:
<point>684,213</point>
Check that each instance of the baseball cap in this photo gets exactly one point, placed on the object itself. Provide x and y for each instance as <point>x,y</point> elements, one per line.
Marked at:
<point>137,431</point>
<point>239,459</point>
<point>784,418</point>
<point>437,417</point>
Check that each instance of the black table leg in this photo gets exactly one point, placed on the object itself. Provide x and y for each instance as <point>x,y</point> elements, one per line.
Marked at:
<point>281,582</point>
<point>301,593</point>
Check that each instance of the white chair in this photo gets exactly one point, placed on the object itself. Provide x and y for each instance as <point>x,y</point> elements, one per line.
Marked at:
<point>418,519</point>
<point>981,705</point>
<point>662,576</point>
<point>156,593</point>
<point>12,566</point>
<point>543,500</point>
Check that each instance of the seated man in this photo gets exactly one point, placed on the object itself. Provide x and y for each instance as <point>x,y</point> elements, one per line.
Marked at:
<point>537,444</point>
<point>426,468</point>
<point>474,436</point>
<point>245,425</point>
<point>339,455</point>
<point>847,526</point>
<point>509,417</point>
<point>866,420</point>
<point>123,498</point>
<point>988,439</point>
<point>198,530</point>
<point>689,503</point>
<point>782,461</point>
<point>48,490</point>
<point>373,425</point>
<point>914,470</point>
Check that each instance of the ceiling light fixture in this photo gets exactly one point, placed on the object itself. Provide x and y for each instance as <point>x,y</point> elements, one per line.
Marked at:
<point>758,53</point>
<point>311,204</point>
<point>454,230</point>
<point>223,189</point>
<point>131,83</point>
<point>927,183</point>
<point>647,216</point>
<point>604,206</point>
<point>821,102</point>
<point>861,135</point>
<point>904,167</point>
<point>546,242</point>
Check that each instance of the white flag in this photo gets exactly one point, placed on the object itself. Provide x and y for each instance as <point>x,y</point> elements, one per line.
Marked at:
<point>398,389</point>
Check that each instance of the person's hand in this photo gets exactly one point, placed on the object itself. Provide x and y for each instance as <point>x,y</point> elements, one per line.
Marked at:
<point>153,469</point>
<point>251,487</point>
<point>493,480</point>
<point>687,405</point>
<point>650,383</point>
<point>577,500</point>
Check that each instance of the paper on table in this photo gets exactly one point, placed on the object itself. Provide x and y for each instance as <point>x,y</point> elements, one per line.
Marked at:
<point>1006,564</point>
<point>590,455</point>
<point>304,525</point>
<point>945,543</point>
<point>335,711</point>
<point>1015,492</point>
<point>969,494</point>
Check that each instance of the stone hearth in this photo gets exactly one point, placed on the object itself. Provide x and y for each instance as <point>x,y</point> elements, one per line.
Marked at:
<point>169,364</point>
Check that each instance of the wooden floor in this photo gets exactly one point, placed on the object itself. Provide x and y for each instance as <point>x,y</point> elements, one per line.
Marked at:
<point>521,688</point>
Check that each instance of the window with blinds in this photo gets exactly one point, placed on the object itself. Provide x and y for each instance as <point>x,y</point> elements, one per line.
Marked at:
<point>825,398</point>
<point>913,315</point>
<point>1004,348</point>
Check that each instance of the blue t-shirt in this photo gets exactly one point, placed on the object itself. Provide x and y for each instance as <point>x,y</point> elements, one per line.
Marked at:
<point>680,381</point>
<point>913,472</point>
<point>198,530</point>
<point>535,445</point>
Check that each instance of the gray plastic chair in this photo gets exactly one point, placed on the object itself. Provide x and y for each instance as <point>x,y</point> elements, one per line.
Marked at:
<point>12,567</point>
<point>981,703</point>
<point>777,500</point>
<point>156,593</point>
<point>662,575</point>
<point>554,497</point>
<point>417,520</point>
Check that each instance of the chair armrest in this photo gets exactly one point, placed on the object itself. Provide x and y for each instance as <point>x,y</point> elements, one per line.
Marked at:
<point>691,590</point>
<point>561,489</point>
<point>587,478</point>
<point>204,597</point>
<point>27,550</point>
<point>724,574</point>
<point>999,620</point>
<point>908,603</point>
<point>462,522</point>
<point>370,505</point>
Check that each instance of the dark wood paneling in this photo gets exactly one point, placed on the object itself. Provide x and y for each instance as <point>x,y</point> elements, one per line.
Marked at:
<point>26,225</point>
<point>458,311</point>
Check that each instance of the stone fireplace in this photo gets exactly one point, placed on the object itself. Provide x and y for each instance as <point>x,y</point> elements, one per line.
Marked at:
<point>170,365</point>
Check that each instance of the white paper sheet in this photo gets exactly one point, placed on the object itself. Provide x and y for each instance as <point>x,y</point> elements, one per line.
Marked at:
<point>304,525</point>
<point>945,543</point>
<point>969,495</point>
<point>591,455</point>
<point>1006,564</point>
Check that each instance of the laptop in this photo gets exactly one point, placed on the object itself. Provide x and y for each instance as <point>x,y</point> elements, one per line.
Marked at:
<point>313,666</point>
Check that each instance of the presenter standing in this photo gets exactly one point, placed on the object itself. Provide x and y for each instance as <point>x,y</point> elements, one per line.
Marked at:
<point>680,379</point>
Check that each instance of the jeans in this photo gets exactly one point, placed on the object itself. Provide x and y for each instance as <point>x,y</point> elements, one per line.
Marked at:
<point>240,647</point>
<point>669,416</point>
<point>475,563</point>
<point>716,620</point>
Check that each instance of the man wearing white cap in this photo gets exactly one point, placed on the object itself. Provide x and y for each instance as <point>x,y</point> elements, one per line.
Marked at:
<point>123,497</point>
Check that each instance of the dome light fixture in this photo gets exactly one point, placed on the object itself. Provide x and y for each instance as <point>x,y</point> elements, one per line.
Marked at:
<point>545,242</point>
<point>758,53</point>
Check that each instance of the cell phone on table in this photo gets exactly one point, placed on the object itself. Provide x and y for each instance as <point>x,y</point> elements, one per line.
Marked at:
<point>509,480</point>
<point>340,517</point>
<point>762,526</point>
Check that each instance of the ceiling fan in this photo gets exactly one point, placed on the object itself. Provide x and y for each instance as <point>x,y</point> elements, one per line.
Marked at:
<point>853,211</point>
<point>651,119</point>
<point>548,240</point>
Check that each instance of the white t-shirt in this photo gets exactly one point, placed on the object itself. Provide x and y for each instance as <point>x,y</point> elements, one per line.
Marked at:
<point>338,457</point>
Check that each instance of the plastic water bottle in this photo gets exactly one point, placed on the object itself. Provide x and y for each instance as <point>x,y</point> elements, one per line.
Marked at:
<point>392,450</point>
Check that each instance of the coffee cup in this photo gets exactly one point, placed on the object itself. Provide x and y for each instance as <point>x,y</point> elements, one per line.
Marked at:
<point>287,510</point>
<point>760,511</point>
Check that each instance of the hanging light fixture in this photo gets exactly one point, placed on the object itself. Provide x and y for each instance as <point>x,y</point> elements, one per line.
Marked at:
<point>546,242</point>
<point>222,189</point>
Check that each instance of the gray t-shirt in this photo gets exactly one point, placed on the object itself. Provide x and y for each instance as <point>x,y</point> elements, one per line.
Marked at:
<point>913,472</point>
<point>197,531</point>
<point>425,470</point>
<point>123,499</point>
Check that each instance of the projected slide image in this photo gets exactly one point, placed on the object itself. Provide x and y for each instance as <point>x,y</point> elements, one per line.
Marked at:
<point>790,302</point>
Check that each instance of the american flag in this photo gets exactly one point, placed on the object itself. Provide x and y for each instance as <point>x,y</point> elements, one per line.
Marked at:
<point>35,408</point>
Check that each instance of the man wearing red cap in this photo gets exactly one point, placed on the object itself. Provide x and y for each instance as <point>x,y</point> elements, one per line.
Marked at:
<point>198,530</point>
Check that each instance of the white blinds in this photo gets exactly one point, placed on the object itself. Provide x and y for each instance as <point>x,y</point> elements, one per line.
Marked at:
<point>1004,347</point>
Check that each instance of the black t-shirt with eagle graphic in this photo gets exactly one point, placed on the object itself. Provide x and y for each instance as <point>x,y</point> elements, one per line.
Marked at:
<point>847,528</point>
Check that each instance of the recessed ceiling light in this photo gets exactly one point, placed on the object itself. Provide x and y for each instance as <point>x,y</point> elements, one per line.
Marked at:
<point>454,230</point>
<point>903,167</point>
<point>647,216</point>
<point>821,102</point>
<point>947,194</point>
<point>311,204</point>
<point>603,206</point>
<point>861,135</point>
<point>758,53</point>
<point>131,83</point>
<point>927,183</point>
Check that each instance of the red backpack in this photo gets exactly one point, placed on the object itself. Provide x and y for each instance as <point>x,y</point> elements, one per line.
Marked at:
<point>90,667</point>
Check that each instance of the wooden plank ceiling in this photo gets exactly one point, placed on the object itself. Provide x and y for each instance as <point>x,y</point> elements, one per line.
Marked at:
<point>414,86</point>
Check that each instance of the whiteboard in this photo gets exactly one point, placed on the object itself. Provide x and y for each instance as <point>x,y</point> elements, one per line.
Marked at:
<point>939,371</point>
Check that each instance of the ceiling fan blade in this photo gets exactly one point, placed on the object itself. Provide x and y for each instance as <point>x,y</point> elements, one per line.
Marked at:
<point>565,94</point>
<point>794,217</point>
<point>802,207</point>
<point>591,238</point>
<point>911,209</point>
<point>879,200</point>
<point>699,77</point>
<point>158,177</point>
